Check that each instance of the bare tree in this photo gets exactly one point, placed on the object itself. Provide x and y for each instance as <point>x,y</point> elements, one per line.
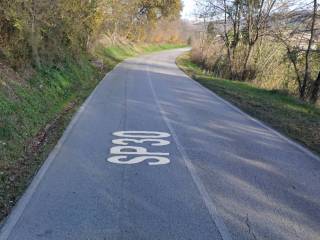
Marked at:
<point>224,16</point>
<point>295,29</point>
<point>243,21</point>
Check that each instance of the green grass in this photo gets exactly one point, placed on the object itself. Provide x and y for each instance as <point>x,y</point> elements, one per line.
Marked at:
<point>35,104</point>
<point>300,121</point>
<point>49,98</point>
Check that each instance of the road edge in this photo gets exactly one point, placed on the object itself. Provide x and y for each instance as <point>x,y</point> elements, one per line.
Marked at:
<point>12,219</point>
<point>259,122</point>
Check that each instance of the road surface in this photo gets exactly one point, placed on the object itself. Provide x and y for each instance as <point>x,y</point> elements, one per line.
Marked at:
<point>153,155</point>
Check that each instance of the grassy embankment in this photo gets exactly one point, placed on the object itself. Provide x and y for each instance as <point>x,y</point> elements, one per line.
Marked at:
<point>34,112</point>
<point>300,121</point>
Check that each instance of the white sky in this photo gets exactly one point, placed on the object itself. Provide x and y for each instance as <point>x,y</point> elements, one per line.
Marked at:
<point>188,9</point>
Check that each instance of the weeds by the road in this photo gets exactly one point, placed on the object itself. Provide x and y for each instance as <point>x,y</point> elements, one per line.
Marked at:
<point>298,120</point>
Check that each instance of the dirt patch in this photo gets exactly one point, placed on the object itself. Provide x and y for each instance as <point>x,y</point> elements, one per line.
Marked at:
<point>8,77</point>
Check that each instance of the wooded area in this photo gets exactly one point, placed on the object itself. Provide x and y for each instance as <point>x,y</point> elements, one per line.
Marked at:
<point>41,32</point>
<point>272,43</point>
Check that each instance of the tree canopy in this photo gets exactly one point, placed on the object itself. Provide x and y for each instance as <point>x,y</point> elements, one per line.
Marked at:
<point>43,30</point>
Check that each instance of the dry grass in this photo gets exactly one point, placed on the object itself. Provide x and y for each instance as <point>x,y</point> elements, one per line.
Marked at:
<point>268,66</point>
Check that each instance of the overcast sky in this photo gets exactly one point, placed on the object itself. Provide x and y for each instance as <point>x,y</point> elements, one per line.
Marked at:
<point>189,6</point>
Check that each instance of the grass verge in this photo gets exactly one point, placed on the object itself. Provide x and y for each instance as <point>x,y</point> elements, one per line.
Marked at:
<point>35,112</point>
<point>299,121</point>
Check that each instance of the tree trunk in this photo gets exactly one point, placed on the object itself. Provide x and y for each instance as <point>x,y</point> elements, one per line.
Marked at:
<point>315,90</point>
<point>307,67</point>
<point>226,41</point>
<point>34,41</point>
<point>231,75</point>
<point>246,61</point>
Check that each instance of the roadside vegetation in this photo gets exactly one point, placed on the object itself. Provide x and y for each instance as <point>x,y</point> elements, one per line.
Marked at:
<point>52,55</point>
<point>287,114</point>
<point>273,44</point>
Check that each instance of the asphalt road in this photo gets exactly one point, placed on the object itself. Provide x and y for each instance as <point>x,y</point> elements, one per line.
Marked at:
<point>153,155</point>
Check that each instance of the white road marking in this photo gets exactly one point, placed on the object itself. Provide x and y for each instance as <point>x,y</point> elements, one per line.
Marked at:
<point>223,230</point>
<point>132,150</point>
<point>120,153</point>
<point>141,134</point>
<point>154,142</point>
<point>123,160</point>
